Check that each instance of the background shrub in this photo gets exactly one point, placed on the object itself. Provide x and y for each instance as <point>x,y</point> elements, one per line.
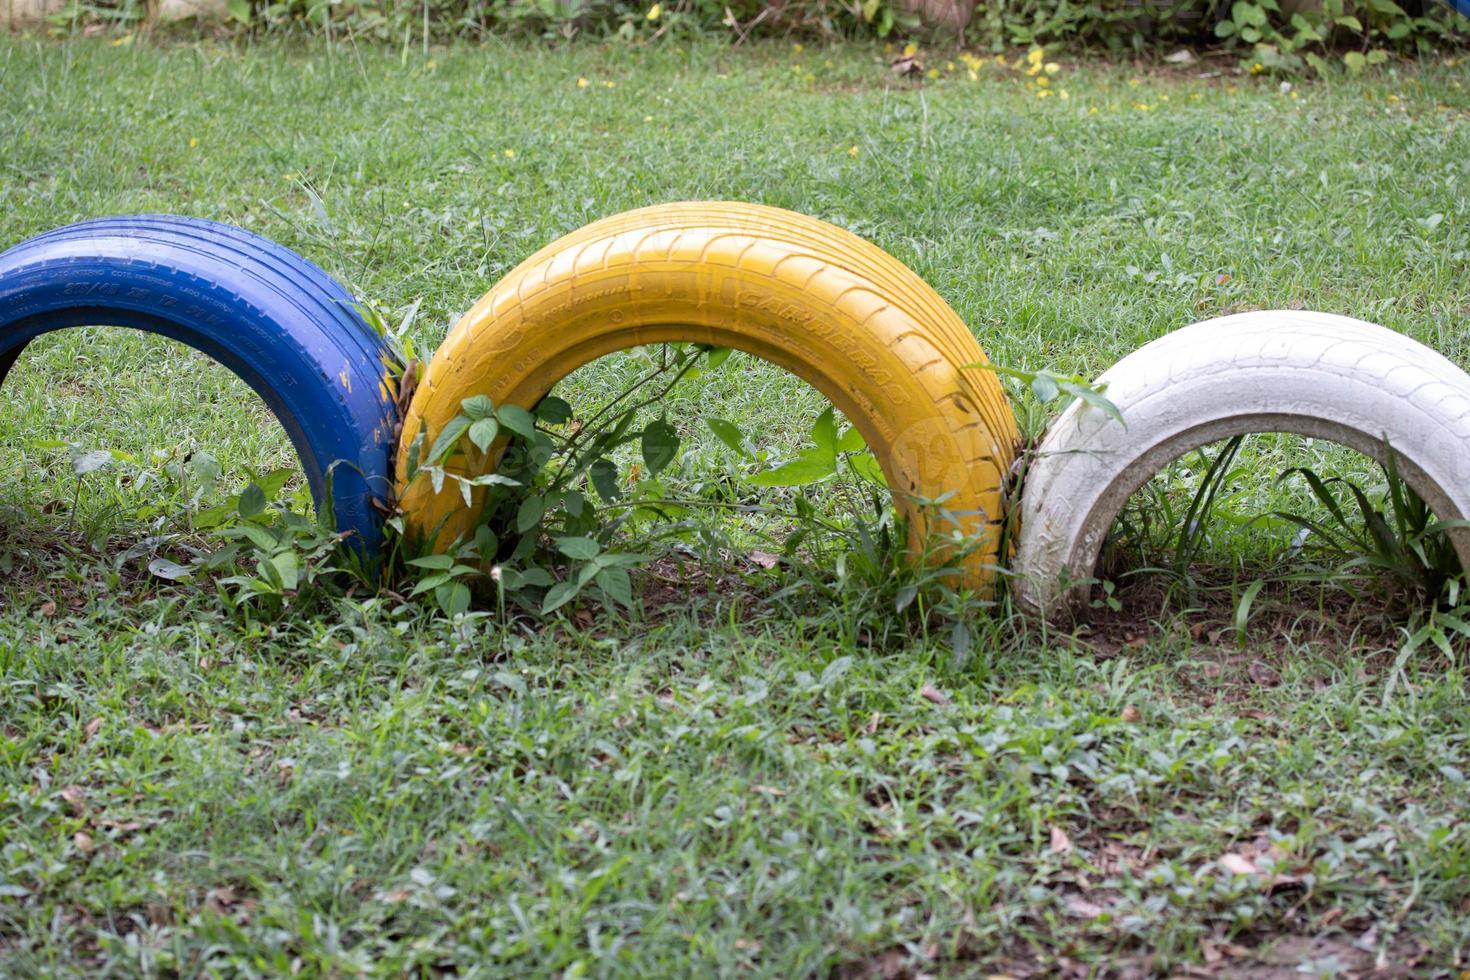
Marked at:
<point>1269,35</point>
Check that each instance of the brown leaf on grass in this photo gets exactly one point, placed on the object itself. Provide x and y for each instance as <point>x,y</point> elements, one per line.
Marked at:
<point>907,64</point>
<point>395,896</point>
<point>48,608</point>
<point>873,721</point>
<point>92,728</point>
<point>1060,842</point>
<point>219,900</point>
<point>764,559</point>
<point>1080,908</point>
<point>1238,864</point>
<point>1263,674</point>
<point>125,826</point>
<point>1131,714</point>
<point>75,797</point>
<point>83,841</point>
<point>934,694</point>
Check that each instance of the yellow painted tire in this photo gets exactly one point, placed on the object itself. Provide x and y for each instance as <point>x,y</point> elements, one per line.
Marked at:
<point>831,308</point>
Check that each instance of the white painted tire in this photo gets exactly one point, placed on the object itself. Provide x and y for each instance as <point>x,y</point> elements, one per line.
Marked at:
<point>1319,375</point>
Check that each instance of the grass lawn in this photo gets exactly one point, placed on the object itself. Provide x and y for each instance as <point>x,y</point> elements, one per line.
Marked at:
<point>744,781</point>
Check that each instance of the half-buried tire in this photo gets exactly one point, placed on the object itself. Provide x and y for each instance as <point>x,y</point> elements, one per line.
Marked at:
<point>1313,374</point>
<point>283,325</point>
<point>828,306</point>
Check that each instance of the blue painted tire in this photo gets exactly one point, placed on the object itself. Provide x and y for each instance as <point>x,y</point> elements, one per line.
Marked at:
<point>283,325</point>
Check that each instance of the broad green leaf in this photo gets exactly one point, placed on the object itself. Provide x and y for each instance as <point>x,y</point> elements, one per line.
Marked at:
<point>1044,387</point>
<point>604,477</point>
<point>616,585</point>
<point>251,503</point>
<point>538,577</point>
<point>1094,398</point>
<point>824,433</point>
<point>578,549</point>
<point>439,562</point>
<point>560,594</point>
<point>715,357</point>
<point>660,446</point>
<point>808,468</point>
<point>865,465</point>
<point>529,514</point>
<point>517,420</point>
<point>553,410</point>
<point>453,598</point>
<point>288,566</point>
<point>729,434</point>
<point>483,433</point>
<point>851,441</point>
<point>448,440</point>
<point>239,10</point>
<point>478,407</point>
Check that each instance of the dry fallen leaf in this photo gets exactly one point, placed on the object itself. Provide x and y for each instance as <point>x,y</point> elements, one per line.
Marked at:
<point>219,900</point>
<point>1131,714</point>
<point>1262,674</point>
<point>83,841</point>
<point>74,796</point>
<point>92,728</point>
<point>1060,842</point>
<point>1238,864</point>
<point>932,693</point>
<point>873,722</point>
<point>907,65</point>
<point>48,608</point>
<point>1081,908</point>
<point>764,559</point>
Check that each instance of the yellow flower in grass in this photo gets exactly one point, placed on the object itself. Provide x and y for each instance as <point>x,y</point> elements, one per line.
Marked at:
<point>582,83</point>
<point>510,154</point>
<point>910,49</point>
<point>655,11</point>
<point>853,150</point>
<point>193,142</point>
